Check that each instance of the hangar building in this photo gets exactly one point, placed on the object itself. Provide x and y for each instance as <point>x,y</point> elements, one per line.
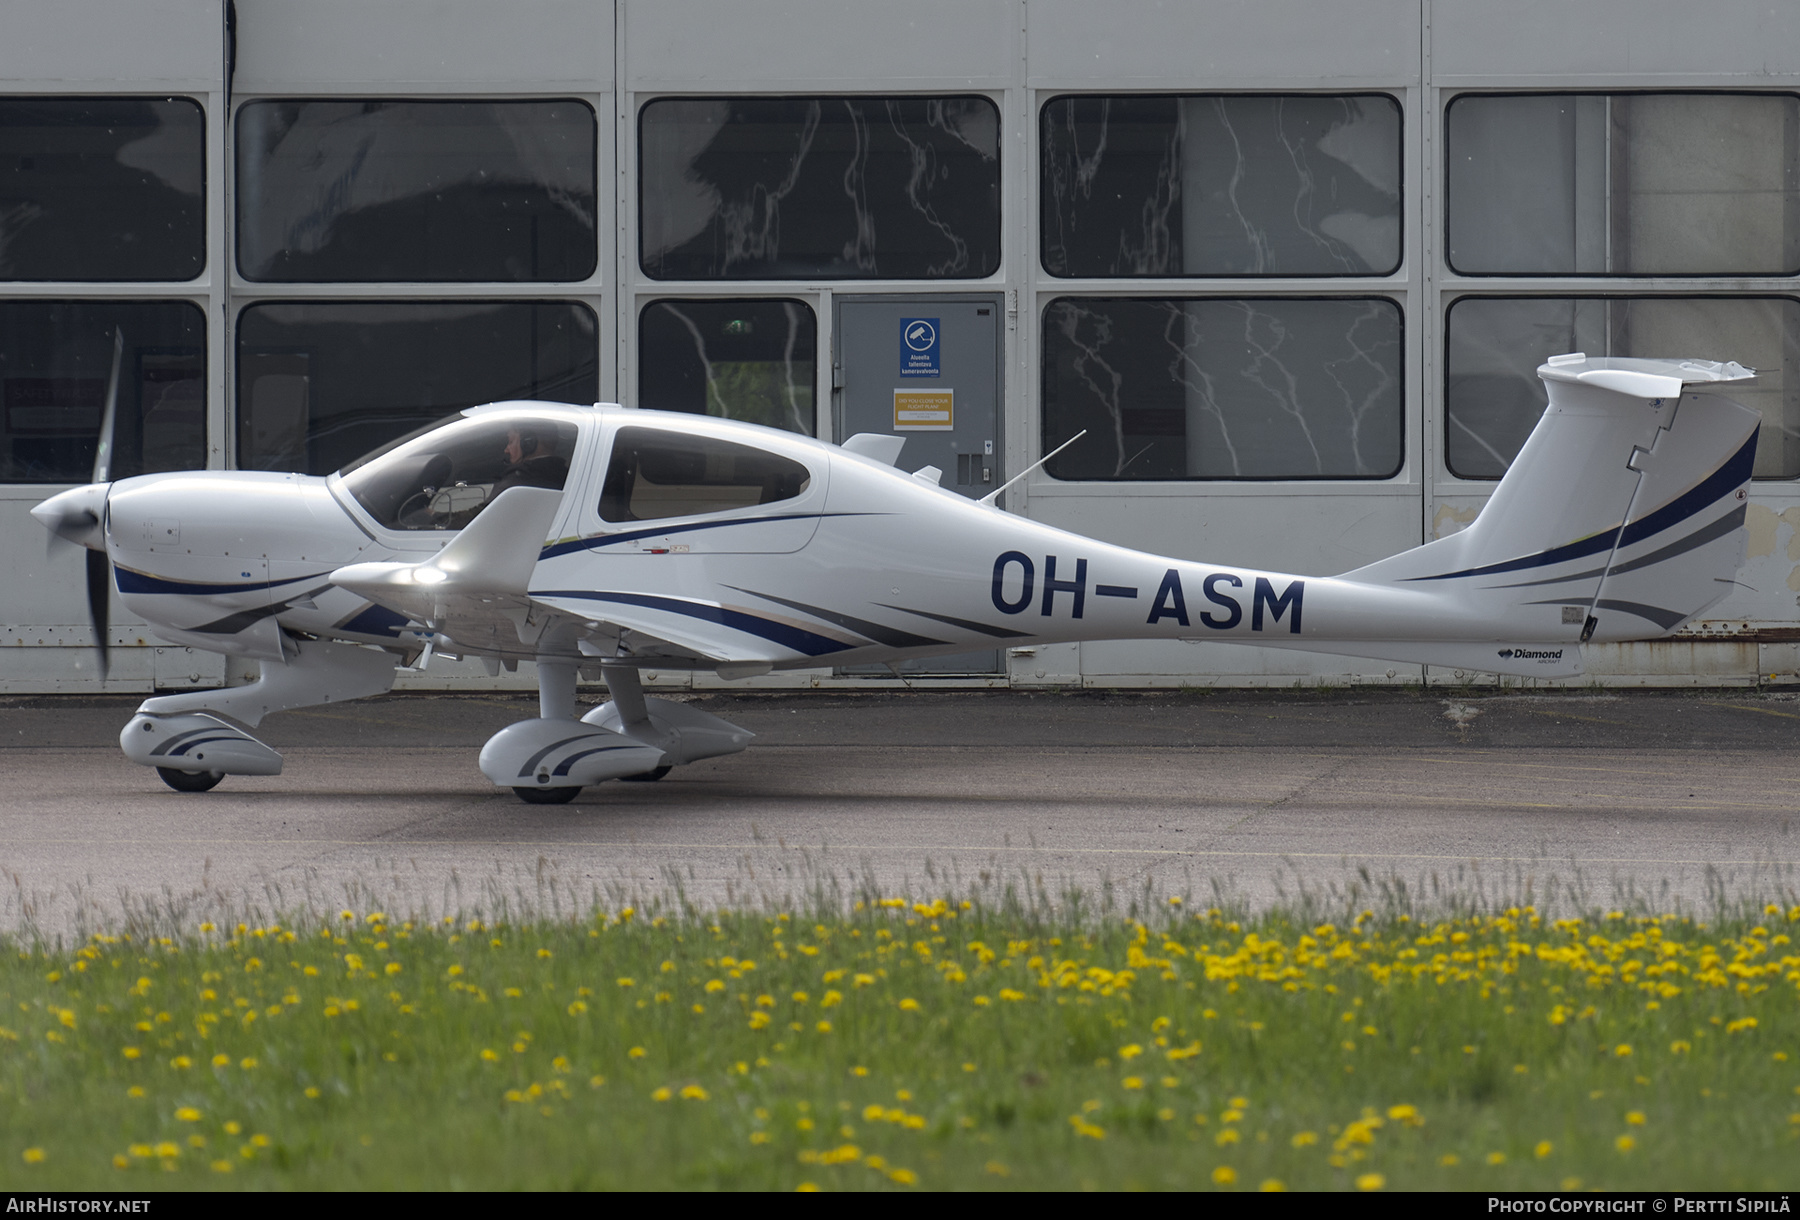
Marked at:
<point>1290,265</point>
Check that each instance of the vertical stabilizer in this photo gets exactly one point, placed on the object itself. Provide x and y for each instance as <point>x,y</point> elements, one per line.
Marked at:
<point>1621,518</point>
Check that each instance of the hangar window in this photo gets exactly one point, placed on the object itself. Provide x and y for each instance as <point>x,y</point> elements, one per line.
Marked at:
<point>102,188</point>
<point>1231,388</point>
<point>1220,185</point>
<point>839,187</point>
<point>655,474</point>
<point>422,192</point>
<point>59,361</point>
<point>322,382</point>
<point>1624,184</point>
<point>744,359</point>
<point>1493,397</point>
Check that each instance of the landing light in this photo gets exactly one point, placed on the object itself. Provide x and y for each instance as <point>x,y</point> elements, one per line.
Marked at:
<point>430,576</point>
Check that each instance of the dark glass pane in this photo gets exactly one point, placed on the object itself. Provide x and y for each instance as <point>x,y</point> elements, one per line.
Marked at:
<point>1624,184</point>
<point>102,188</point>
<point>1220,185</point>
<point>1223,389</point>
<point>1493,398</point>
<point>416,191</point>
<point>57,361</point>
<point>321,383</point>
<point>655,474</point>
<point>748,360</point>
<point>783,188</point>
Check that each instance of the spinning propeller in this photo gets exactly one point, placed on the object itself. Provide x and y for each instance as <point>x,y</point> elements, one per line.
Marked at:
<point>78,515</point>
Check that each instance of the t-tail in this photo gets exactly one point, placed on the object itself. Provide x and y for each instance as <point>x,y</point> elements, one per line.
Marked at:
<point>1621,519</point>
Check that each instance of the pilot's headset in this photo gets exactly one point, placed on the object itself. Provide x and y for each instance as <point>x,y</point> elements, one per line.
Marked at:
<point>528,442</point>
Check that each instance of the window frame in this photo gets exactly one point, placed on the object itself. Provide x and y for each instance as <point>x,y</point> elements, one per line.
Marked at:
<point>1042,267</point>
<point>645,276</point>
<point>1403,456</point>
<point>1454,96</point>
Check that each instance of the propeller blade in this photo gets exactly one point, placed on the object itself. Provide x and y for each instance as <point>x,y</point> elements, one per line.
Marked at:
<point>99,563</point>
<point>99,576</point>
<point>103,452</point>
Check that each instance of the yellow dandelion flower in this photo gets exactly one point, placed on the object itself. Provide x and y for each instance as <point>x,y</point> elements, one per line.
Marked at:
<point>1635,1118</point>
<point>121,1161</point>
<point>1496,1158</point>
<point>1133,1082</point>
<point>1625,1143</point>
<point>997,1169</point>
<point>1224,1175</point>
<point>1449,1159</point>
<point>33,1156</point>
<point>1543,1149</point>
<point>694,1092</point>
<point>1623,1050</point>
<point>312,1092</point>
<point>1272,1186</point>
<point>1370,1181</point>
<point>909,1005</point>
<point>1130,1052</point>
<point>905,1177</point>
<point>136,1090</point>
<point>188,1114</point>
<point>221,1060</point>
<point>1304,1139</point>
<point>636,1052</point>
<point>221,1166</point>
<point>662,1094</point>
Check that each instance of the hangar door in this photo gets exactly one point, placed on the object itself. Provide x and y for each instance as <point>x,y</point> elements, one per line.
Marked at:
<point>926,368</point>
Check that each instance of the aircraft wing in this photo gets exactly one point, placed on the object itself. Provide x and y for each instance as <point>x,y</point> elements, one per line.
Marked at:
<point>476,592</point>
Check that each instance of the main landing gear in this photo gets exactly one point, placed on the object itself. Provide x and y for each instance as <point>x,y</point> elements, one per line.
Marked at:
<point>547,760</point>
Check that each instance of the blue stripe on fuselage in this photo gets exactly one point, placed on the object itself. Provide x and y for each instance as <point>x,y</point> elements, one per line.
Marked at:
<point>553,549</point>
<point>130,581</point>
<point>785,634</point>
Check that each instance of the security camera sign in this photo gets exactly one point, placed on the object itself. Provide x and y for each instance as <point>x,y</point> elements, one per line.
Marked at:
<point>919,347</point>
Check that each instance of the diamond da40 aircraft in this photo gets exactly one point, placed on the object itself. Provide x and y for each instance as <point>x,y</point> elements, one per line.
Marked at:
<point>595,541</point>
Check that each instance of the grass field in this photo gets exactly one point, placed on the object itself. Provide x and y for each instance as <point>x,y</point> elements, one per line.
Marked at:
<point>908,1045</point>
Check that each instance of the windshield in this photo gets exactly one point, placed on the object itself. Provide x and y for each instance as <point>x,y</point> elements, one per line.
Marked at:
<point>441,477</point>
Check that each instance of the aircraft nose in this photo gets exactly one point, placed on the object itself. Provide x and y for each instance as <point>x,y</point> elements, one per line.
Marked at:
<point>75,515</point>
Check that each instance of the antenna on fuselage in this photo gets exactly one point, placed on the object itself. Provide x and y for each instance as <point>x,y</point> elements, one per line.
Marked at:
<point>995,494</point>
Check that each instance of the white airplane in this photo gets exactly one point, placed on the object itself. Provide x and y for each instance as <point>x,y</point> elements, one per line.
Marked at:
<point>596,541</point>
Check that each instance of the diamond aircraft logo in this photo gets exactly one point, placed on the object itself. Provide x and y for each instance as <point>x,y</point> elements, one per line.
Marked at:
<point>1532,654</point>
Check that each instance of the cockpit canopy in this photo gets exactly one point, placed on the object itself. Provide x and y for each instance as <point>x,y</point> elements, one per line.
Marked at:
<point>441,476</point>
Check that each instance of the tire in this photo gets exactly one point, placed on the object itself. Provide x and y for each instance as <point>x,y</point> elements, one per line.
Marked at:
<point>648,777</point>
<point>546,796</point>
<point>190,781</point>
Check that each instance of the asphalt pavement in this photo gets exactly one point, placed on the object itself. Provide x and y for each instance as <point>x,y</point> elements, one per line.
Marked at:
<point>1348,798</point>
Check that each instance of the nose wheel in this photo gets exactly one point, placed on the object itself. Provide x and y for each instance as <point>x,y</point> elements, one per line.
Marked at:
<point>190,781</point>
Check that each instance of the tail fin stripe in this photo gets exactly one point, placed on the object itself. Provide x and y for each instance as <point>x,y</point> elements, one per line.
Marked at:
<point>1700,537</point>
<point>1720,483</point>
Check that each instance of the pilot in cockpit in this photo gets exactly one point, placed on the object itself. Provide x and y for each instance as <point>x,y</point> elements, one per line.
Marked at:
<point>530,463</point>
